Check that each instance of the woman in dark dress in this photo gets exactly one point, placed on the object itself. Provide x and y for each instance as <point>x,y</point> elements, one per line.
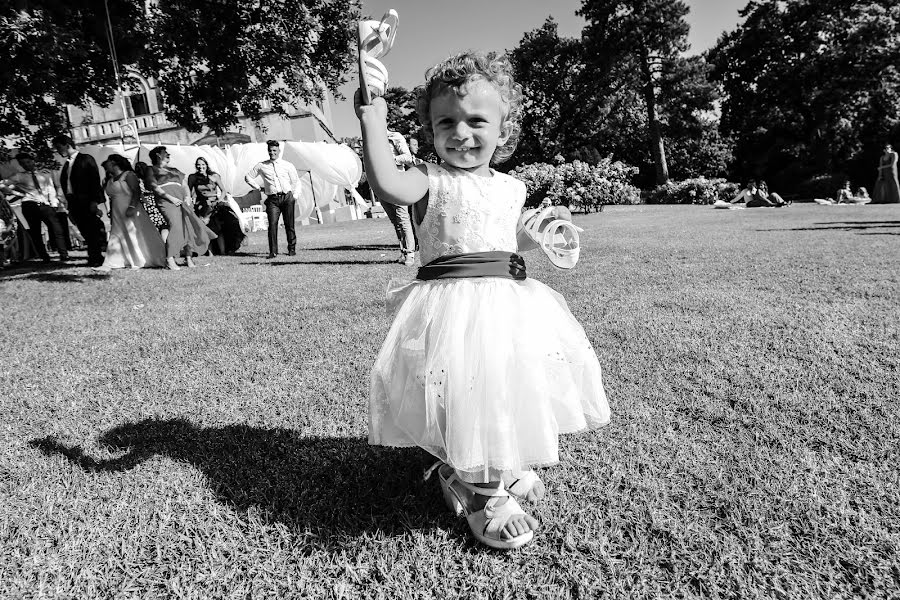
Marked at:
<point>205,186</point>
<point>209,202</point>
<point>887,188</point>
<point>187,235</point>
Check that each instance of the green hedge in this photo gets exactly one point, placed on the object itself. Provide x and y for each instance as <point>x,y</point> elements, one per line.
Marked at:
<point>579,185</point>
<point>699,190</point>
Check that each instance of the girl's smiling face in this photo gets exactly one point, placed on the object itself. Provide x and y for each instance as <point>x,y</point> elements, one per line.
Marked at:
<point>469,125</point>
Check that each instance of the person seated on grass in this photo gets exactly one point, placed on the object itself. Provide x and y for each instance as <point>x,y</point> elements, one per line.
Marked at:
<point>761,198</point>
<point>746,194</point>
<point>742,197</point>
<point>846,197</point>
<point>753,195</point>
<point>771,197</point>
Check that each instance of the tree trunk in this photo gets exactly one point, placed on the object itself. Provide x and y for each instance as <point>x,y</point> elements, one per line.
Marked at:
<point>657,146</point>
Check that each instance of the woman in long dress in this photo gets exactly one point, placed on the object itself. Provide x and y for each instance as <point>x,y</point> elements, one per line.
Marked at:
<point>210,203</point>
<point>133,240</point>
<point>187,235</point>
<point>148,199</point>
<point>887,188</point>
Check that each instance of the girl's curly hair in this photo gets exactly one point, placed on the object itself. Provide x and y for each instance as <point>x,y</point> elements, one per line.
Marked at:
<point>458,70</point>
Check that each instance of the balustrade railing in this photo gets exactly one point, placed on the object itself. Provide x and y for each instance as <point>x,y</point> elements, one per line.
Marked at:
<point>105,130</point>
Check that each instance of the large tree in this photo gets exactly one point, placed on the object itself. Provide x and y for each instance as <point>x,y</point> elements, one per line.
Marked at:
<point>58,53</point>
<point>686,103</point>
<point>812,87</point>
<point>212,61</point>
<point>647,35</point>
<point>401,116</point>
<point>564,102</point>
<point>578,109</point>
<point>240,56</point>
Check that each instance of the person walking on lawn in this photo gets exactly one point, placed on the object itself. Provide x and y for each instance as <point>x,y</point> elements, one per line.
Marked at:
<point>279,178</point>
<point>482,366</point>
<point>401,216</point>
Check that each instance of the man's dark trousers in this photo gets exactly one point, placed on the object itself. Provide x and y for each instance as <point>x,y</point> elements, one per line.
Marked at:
<point>92,230</point>
<point>35,213</point>
<point>281,205</point>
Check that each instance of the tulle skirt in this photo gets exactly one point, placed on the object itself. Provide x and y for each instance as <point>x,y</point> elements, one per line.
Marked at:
<point>484,373</point>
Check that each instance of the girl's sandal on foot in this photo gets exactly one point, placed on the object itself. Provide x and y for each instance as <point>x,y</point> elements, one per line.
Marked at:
<point>528,483</point>
<point>486,524</point>
<point>519,489</point>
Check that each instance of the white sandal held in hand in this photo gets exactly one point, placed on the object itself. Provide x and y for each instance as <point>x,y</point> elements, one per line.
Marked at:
<point>550,228</point>
<point>375,40</point>
<point>561,244</point>
<point>486,524</point>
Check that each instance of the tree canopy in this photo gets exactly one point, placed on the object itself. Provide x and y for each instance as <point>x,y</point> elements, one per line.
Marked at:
<point>584,106</point>
<point>210,63</point>
<point>213,64</point>
<point>812,87</point>
<point>646,34</point>
<point>58,53</point>
<point>563,101</point>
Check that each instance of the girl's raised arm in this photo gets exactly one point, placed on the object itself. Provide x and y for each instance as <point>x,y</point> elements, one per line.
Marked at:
<point>397,187</point>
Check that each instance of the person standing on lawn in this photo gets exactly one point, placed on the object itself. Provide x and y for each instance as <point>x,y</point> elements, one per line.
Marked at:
<point>39,204</point>
<point>80,182</point>
<point>279,178</point>
<point>482,367</point>
<point>401,216</point>
<point>186,235</point>
<point>887,188</point>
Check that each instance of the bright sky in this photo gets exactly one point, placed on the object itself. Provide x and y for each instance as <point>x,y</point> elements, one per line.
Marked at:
<point>431,30</point>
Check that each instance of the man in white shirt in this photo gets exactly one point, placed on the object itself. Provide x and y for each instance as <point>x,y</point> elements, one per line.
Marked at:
<point>39,203</point>
<point>279,178</point>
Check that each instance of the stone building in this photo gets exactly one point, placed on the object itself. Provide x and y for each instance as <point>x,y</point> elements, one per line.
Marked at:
<point>144,106</point>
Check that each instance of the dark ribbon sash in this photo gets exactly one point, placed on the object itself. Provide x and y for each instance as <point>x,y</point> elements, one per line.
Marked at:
<point>475,264</point>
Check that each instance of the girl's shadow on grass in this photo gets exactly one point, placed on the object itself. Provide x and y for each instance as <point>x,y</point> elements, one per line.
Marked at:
<point>333,486</point>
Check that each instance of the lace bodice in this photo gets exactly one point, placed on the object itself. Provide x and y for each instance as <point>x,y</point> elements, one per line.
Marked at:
<point>469,213</point>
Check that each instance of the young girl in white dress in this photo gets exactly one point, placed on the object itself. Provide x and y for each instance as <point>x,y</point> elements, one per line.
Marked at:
<point>482,367</point>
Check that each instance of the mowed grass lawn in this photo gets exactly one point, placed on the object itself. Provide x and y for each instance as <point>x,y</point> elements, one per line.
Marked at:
<point>202,434</point>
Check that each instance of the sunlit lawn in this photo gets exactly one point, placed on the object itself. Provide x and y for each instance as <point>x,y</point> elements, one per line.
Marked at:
<point>201,434</point>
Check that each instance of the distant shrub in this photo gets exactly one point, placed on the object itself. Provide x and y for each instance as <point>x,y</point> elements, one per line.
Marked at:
<point>821,186</point>
<point>698,190</point>
<point>579,185</point>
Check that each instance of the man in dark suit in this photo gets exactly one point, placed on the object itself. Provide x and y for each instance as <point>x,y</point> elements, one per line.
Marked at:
<point>80,182</point>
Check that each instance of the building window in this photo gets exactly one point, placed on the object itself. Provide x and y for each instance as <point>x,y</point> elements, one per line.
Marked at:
<point>139,104</point>
<point>136,94</point>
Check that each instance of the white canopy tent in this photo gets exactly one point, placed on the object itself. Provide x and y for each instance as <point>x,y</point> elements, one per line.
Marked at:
<point>325,169</point>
